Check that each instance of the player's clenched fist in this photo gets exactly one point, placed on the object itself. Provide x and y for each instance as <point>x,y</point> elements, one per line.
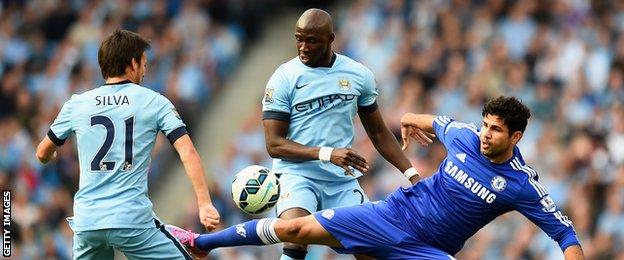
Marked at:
<point>345,157</point>
<point>208,216</point>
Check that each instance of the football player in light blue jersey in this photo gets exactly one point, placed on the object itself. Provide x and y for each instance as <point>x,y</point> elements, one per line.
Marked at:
<point>308,114</point>
<point>482,177</point>
<point>116,127</point>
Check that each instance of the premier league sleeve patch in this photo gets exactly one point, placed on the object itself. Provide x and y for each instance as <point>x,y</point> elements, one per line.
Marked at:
<point>268,95</point>
<point>548,204</point>
<point>175,112</point>
<point>328,213</point>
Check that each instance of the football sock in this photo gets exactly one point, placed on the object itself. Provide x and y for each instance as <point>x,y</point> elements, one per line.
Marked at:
<point>292,254</point>
<point>253,232</point>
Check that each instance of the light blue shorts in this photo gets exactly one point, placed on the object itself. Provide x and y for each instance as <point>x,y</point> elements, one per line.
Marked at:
<point>148,243</point>
<point>314,195</point>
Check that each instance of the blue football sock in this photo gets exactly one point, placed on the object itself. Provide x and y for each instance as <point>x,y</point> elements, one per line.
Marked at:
<point>253,232</point>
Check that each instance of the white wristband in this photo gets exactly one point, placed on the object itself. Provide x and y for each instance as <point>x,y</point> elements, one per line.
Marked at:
<point>325,154</point>
<point>409,173</point>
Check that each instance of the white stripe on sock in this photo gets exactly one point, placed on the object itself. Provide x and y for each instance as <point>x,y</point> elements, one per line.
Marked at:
<point>266,231</point>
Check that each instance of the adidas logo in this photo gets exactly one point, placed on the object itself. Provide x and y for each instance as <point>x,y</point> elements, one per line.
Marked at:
<point>461,157</point>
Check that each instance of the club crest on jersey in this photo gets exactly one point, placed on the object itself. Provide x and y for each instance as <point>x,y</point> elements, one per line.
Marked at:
<point>498,183</point>
<point>344,84</point>
<point>268,95</point>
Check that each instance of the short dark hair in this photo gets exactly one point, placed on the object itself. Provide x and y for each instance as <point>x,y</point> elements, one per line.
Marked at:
<point>514,114</point>
<point>118,50</point>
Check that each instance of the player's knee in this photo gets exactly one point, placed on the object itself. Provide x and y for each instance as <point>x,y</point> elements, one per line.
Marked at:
<point>293,231</point>
<point>287,229</point>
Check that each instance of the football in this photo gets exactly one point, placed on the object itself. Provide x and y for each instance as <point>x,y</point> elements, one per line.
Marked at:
<point>255,189</point>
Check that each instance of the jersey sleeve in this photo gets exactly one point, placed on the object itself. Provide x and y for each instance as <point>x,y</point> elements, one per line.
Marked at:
<point>276,100</point>
<point>447,129</point>
<point>368,96</point>
<point>535,204</point>
<point>62,126</point>
<point>169,120</point>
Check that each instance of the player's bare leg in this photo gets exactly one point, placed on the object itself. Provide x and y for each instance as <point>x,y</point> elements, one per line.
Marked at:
<point>304,231</point>
<point>307,230</point>
<point>293,250</point>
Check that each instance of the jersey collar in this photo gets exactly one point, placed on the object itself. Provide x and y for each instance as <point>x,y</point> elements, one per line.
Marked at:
<point>119,83</point>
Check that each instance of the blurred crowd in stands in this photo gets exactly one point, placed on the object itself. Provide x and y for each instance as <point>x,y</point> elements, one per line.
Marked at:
<point>563,58</point>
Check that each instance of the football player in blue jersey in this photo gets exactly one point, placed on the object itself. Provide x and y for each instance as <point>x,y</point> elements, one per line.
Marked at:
<point>116,127</point>
<point>308,115</point>
<point>482,177</point>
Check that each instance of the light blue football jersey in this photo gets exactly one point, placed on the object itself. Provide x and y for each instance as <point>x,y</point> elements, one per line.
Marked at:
<point>320,105</point>
<point>116,127</point>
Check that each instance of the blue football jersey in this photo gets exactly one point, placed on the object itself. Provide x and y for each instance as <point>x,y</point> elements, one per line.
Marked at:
<point>469,191</point>
<point>320,105</point>
<point>116,127</point>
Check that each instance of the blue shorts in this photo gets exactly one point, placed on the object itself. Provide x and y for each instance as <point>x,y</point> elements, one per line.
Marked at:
<point>368,229</point>
<point>146,243</point>
<point>314,195</point>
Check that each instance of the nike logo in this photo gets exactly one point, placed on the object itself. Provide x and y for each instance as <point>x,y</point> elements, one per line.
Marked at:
<point>268,189</point>
<point>301,86</point>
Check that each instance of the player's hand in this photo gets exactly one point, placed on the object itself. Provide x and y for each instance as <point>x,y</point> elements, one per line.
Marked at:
<point>345,157</point>
<point>208,216</point>
<point>424,138</point>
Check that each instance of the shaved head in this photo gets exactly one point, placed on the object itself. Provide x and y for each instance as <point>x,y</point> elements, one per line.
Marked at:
<point>316,20</point>
<point>315,33</point>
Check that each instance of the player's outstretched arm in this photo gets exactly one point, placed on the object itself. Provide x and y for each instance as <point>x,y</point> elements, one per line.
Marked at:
<point>534,203</point>
<point>385,142</point>
<point>46,151</point>
<point>419,127</point>
<point>208,215</point>
<point>574,252</point>
<point>278,146</point>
